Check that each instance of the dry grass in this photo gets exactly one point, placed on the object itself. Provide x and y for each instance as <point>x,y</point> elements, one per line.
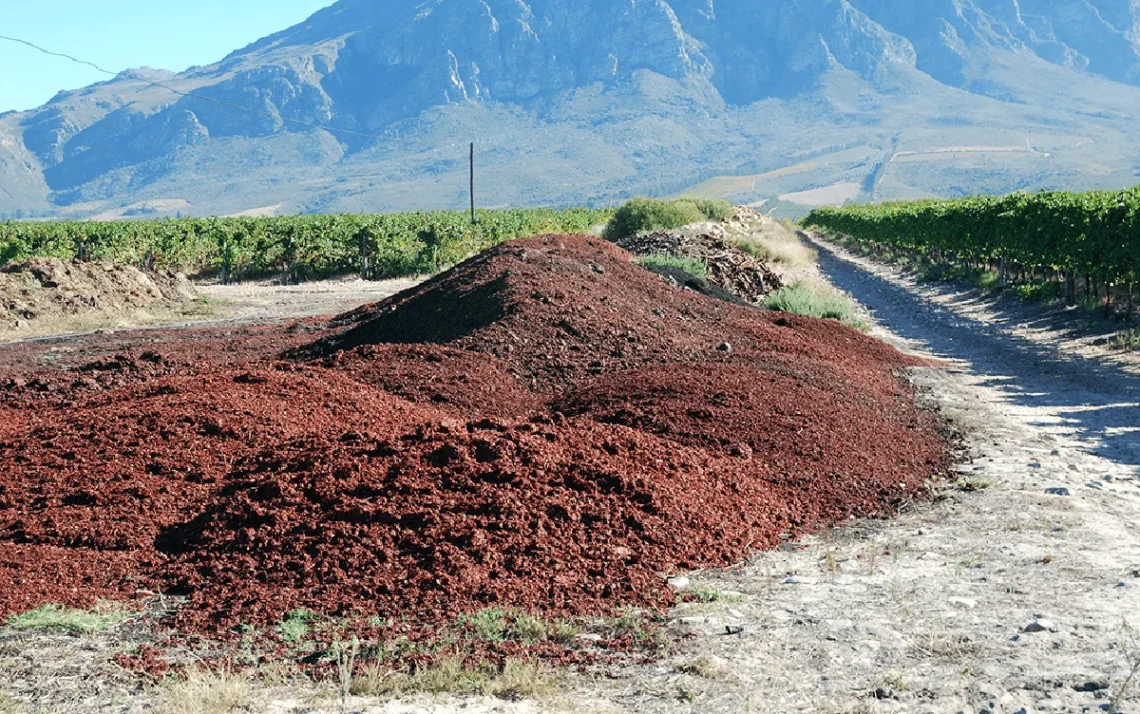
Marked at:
<point>8,704</point>
<point>946,645</point>
<point>517,679</point>
<point>707,667</point>
<point>778,243</point>
<point>203,692</point>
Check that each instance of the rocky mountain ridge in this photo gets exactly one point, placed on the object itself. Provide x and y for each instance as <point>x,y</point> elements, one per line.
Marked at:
<point>609,76</point>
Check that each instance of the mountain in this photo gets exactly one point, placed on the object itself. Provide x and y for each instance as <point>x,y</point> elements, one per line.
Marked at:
<point>370,106</point>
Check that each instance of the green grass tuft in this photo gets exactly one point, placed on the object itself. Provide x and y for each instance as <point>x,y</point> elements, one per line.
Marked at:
<point>498,624</point>
<point>296,625</point>
<point>799,299</point>
<point>687,265</point>
<point>703,593</point>
<point>1128,340</point>
<point>57,617</point>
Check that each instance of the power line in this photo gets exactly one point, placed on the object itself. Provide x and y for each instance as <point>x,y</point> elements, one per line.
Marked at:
<point>195,95</point>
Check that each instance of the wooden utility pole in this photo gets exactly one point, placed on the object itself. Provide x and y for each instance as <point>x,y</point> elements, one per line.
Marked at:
<point>473,219</point>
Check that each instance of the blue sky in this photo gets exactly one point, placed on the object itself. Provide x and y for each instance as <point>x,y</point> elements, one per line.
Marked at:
<point>120,34</point>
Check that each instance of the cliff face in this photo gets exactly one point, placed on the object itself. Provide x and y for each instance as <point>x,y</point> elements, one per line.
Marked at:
<point>374,69</point>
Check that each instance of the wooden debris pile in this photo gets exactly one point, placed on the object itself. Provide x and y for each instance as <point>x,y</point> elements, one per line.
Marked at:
<point>730,268</point>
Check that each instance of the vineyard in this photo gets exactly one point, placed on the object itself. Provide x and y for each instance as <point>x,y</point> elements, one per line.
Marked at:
<point>304,247</point>
<point>1056,236</point>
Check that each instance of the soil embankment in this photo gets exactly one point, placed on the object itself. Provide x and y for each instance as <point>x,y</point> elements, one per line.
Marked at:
<point>46,293</point>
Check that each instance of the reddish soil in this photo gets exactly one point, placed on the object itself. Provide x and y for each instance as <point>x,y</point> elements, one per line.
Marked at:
<point>548,426</point>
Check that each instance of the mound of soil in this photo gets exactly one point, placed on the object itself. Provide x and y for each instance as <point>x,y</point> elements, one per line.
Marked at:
<point>547,426</point>
<point>47,288</point>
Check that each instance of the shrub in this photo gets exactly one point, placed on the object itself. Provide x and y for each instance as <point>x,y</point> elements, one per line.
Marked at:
<point>714,209</point>
<point>649,214</point>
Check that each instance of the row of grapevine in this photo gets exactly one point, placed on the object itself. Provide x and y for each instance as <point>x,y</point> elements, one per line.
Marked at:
<point>304,247</point>
<point>1095,234</point>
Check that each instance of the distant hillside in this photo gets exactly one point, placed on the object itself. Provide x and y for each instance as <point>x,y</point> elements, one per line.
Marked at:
<point>591,101</point>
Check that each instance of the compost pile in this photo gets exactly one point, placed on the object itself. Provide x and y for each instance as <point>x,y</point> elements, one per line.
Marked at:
<point>547,426</point>
<point>730,268</point>
<point>44,288</point>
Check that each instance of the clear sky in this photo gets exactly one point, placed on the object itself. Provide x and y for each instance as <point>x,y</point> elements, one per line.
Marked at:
<point>121,34</point>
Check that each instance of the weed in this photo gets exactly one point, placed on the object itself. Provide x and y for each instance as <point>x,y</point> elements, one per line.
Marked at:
<point>753,248</point>
<point>706,666</point>
<point>296,625</point>
<point>501,624</point>
<point>703,593</point>
<point>56,617</point>
<point>1039,291</point>
<point>346,654</point>
<point>1128,340</point>
<point>451,675</point>
<point>822,303</point>
<point>203,692</point>
<point>685,693</point>
<point>8,704</point>
<point>562,631</point>
<point>830,563</point>
<point>947,645</point>
<point>688,265</point>
<point>970,484</point>
<point>944,272</point>
<point>631,621</point>
<point>521,680</point>
<point>1131,651</point>
<point>897,682</point>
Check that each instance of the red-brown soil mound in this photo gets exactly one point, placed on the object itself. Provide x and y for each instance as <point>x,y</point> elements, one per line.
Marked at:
<point>547,426</point>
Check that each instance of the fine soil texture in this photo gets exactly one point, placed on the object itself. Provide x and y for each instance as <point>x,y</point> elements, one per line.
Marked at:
<point>547,426</point>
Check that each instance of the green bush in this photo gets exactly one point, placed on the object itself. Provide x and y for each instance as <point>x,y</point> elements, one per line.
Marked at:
<point>688,265</point>
<point>714,209</point>
<point>650,214</point>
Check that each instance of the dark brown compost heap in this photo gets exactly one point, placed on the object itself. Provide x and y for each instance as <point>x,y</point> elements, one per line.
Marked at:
<point>547,426</point>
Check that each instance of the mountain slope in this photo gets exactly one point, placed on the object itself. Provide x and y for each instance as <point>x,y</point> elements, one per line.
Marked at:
<point>369,106</point>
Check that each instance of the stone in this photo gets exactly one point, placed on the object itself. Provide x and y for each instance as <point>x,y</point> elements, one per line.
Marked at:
<point>963,602</point>
<point>679,583</point>
<point>1058,491</point>
<point>724,347</point>
<point>1040,625</point>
